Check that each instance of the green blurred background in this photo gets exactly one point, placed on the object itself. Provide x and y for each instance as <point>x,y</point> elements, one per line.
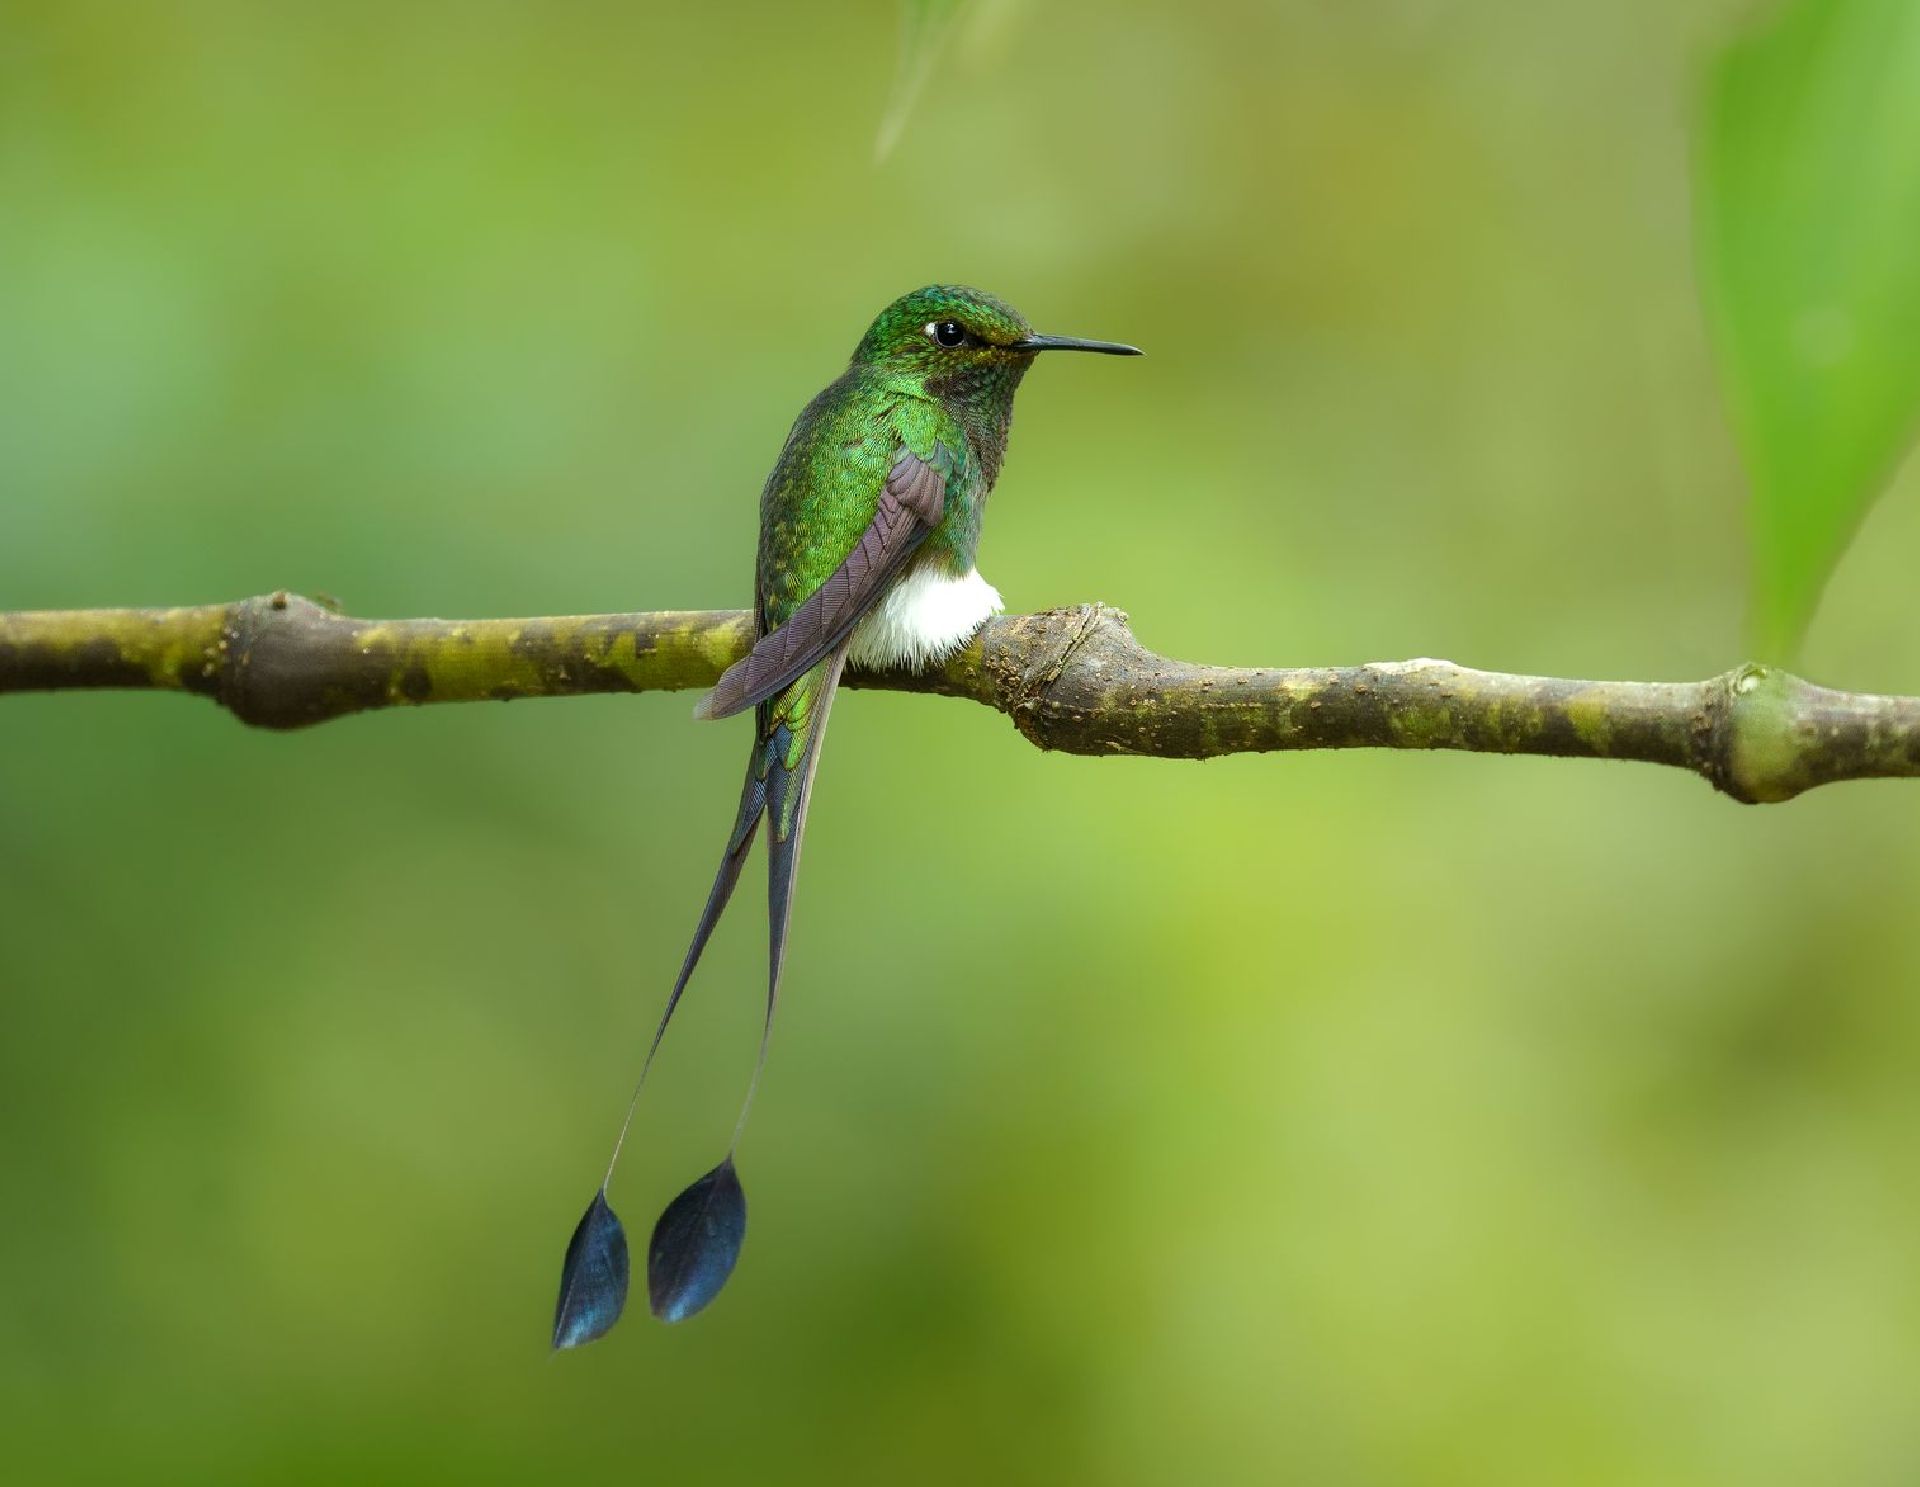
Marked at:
<point>1355,1118</point>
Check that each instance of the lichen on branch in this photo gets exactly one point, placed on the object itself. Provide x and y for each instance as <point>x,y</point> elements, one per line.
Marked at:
<point>1074,680</point>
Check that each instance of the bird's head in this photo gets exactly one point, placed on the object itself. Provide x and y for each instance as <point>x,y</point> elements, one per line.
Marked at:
<point>948,333</point>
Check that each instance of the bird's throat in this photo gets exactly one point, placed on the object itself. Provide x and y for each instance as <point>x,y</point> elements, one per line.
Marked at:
<point>980,400</point>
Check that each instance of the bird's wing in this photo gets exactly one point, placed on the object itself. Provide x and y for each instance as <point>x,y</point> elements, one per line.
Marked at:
<point>912,501</point>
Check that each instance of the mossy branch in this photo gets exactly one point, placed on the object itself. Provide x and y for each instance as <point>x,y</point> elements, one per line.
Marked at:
<point>1073,679</point>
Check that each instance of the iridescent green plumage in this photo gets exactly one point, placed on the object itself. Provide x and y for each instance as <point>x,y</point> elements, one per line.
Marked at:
<point>869,525</point>
<point>902,390</point>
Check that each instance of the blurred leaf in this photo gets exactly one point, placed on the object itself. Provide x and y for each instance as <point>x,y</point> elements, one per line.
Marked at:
<point>696,1243</point>
<point>925,27</point>
<point>593,1278</point>
<point>1809,225</point>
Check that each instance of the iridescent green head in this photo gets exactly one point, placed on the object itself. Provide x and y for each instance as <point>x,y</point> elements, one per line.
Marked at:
<point>948,329</point>
<point>969,351</point>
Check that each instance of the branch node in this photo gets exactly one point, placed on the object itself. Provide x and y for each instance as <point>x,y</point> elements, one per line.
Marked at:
<point>1047,665</point>
<point>1752,754</point>
<point>281,663</point>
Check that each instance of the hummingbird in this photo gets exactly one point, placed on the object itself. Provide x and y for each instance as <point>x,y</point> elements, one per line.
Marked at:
<point>869,525</point>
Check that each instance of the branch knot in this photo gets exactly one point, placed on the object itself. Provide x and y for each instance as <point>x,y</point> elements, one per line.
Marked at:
<point>1042,665</point>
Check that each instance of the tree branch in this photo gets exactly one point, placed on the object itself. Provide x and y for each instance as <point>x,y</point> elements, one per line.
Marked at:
<point>1073,679</point>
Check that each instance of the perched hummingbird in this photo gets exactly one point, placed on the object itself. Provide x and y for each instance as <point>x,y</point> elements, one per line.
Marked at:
<point>868,528</point>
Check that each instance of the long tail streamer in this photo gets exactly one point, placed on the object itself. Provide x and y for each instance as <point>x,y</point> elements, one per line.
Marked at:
<point>697,1240</point>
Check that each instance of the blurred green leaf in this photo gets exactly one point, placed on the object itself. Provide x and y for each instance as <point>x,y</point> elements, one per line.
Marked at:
<point>925,26</point>
<point>1809,229</point>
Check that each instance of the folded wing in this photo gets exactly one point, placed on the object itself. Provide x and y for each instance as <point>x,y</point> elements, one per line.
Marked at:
<point>912,501</point>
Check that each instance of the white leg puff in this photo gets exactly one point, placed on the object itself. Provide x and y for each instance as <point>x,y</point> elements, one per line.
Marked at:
<point>924,618</point>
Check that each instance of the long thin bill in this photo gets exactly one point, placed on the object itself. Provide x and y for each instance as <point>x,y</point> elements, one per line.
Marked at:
<point>1076,343</point>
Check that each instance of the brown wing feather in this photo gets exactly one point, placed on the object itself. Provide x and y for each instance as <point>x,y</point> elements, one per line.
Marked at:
<point>911,504</point>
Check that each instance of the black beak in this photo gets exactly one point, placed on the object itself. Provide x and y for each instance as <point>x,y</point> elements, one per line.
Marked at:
<point>1074,343</point>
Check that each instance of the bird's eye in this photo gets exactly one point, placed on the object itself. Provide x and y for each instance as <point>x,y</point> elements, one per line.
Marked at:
<point>948,333</point>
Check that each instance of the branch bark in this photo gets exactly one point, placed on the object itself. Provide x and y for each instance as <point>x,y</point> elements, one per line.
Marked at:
<point>1073,680</point>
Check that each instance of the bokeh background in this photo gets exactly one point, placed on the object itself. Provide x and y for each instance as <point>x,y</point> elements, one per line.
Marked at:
<point>1355,1118</point>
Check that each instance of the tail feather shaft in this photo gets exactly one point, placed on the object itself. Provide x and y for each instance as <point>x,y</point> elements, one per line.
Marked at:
<point>788,793</point>
<point>779,781</point>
